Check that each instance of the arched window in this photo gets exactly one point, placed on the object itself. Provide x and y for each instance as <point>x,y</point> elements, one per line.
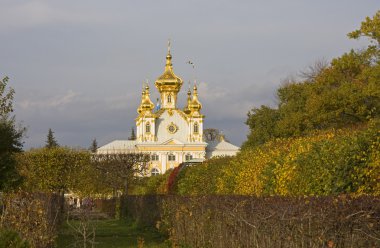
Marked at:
<point>154,172</point>
<point>147,127</point>
<point>154,157</point>
<point>188,157</point>
<point>169,98</point>
<point>196,128</point>
<point>171,157</point>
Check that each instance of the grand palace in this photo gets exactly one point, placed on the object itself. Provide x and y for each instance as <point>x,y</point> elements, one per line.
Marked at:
<point>169,134</point>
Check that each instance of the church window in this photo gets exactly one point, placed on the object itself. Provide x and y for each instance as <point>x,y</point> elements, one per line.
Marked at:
<point>171,157</point>
<point>196,128</point>
<point>154,172</point>
<point>188,157</point>
<point>154,157</point>
<point>169,98</point>
<point>147,127</point>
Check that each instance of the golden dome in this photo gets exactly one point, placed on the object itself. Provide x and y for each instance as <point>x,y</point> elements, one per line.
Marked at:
<point>168,81</point>
<point>146,103</point>
<point>195,105</point>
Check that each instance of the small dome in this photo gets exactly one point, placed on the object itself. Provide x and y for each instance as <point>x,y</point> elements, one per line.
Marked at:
<point>146,103</point>
<point>195,105</point>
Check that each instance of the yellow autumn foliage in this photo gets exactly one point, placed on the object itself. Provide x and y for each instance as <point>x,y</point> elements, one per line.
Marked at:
<point>323,163</point>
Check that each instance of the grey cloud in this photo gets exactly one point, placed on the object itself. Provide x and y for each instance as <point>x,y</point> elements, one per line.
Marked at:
<point>53,102</point>
<point>38,13</point>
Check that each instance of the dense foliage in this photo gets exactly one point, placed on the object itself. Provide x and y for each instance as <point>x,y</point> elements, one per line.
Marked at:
<point>265,222</point>
<point>119,171</point>
<point>325,163</point>
<point>10,139</point>
<point>151,185</point>
<point>61,169</point>
<point>55,169</point>
<point>34,216</point>
<point>10,238</point>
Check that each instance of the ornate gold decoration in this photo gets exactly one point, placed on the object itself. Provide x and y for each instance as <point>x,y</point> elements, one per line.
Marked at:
<point>146,104</point>
<point>172,128</point>
<point>168,81</point>
<point>159,113</point>
<point>194,105</point>
<point>170,112</point>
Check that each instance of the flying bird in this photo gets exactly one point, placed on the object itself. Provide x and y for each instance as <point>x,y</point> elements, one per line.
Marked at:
<point>190,63</point>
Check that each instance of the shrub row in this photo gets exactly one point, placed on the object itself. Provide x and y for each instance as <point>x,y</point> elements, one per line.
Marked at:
<point>326,163</point>
<point>244,221</point>
<point>145,210</point>
<point>34,216</point>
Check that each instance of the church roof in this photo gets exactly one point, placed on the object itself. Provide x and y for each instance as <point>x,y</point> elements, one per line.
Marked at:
<point>131,145</point>
<point>118,145</point>
<point>221,146</point>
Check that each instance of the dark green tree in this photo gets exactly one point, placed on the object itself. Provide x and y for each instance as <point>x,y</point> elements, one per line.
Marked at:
<point>133,135</point>
<point>10,139</point>
<point>94,146</point>
<point>50,141</point>
<point>211,134</point>
<point>263,121</point>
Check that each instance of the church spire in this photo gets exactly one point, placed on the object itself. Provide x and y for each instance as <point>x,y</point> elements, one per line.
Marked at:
<point>168,84</point>
<point>168,65</point>
<point>146,103</point>
<point>195,106</point>
<point>186,110</point>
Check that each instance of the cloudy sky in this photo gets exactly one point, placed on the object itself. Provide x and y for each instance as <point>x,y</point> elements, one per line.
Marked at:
<point>78,66</point>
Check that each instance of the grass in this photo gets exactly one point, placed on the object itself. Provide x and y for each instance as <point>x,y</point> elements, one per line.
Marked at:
<point>113,234</point>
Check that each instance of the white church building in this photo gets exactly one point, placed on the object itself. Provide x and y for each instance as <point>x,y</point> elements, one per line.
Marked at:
<point>169,134</point>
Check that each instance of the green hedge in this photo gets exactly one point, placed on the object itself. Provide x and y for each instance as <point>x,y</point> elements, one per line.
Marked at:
<point>326,163</point>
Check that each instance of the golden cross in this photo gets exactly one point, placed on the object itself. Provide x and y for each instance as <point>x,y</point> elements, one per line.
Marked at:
<point>168,45</point>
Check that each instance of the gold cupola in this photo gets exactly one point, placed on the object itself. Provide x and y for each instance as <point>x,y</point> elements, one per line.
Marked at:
<point>194,105</point>
<point>146,103</point>
<point>168,84</point>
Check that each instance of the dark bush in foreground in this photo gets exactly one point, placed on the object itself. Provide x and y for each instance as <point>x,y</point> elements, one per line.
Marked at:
<point>243,221</point>
<point>34,216</point>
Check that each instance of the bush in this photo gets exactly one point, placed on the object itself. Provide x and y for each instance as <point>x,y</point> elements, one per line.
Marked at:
<point>328,162</point>
<point>201,179</point>
<point>34,216</point>
<point>10,238</point>
<point>266,222</point>
<point>151,185</point>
